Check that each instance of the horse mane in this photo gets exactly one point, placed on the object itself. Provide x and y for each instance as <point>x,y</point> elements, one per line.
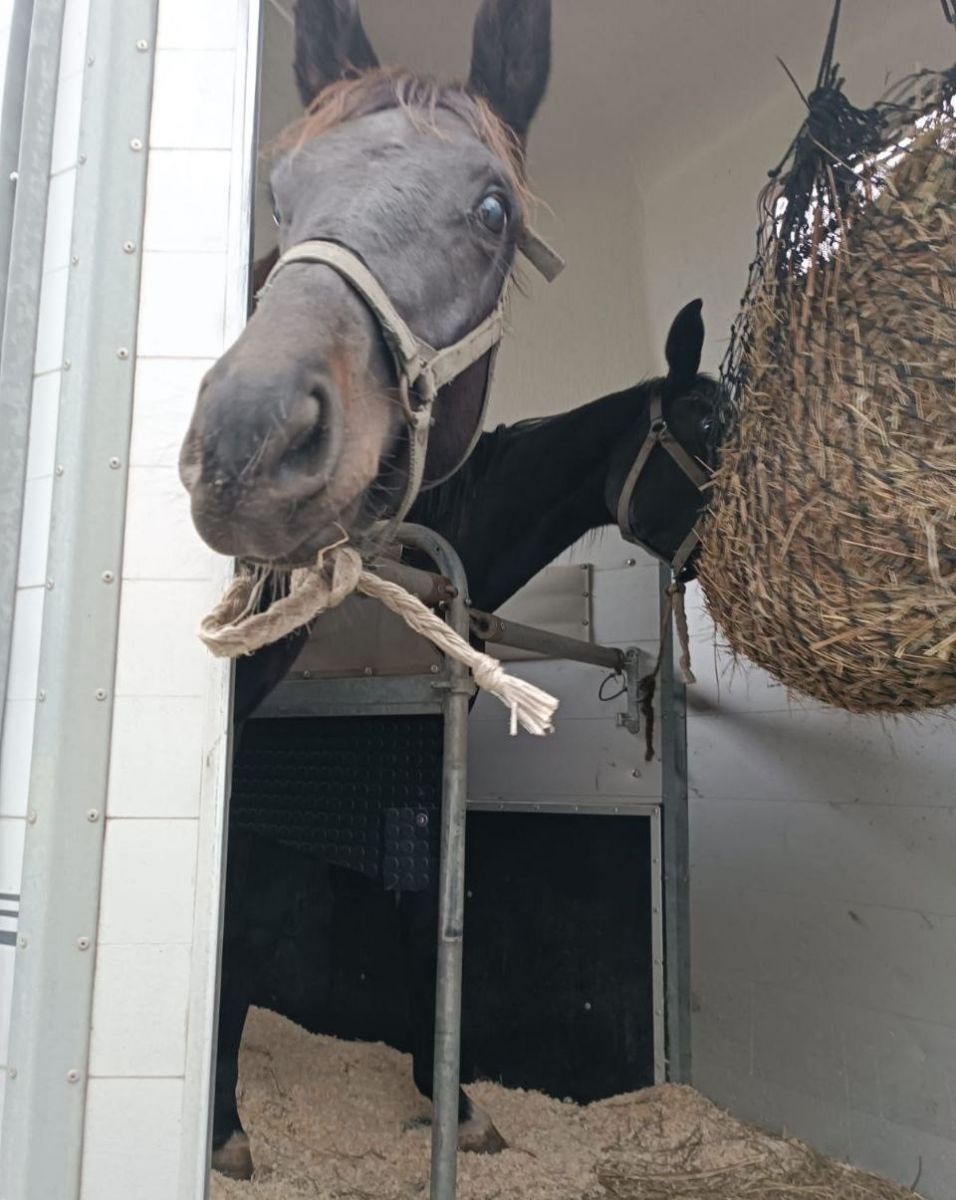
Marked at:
<point>420,96</point>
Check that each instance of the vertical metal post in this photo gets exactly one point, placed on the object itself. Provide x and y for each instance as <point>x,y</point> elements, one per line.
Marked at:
<point>451,910</point>
<point>26,150</point>
<point>673,724</point>
<point>45,1104</point>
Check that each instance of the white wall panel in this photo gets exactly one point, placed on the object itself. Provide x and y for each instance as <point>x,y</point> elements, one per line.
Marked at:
<point>166,391</point>
<point>133,1131</point>
<point>41,451</point>
<point>149,875</point>
<point>15,757</point>
<point>182,305</point>
<point>140,1001</point>
<point>145,778</point>
<point>193,99</point>
<point>188,207</point>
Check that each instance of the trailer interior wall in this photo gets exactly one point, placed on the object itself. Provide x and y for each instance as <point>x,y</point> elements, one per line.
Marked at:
<point>823,892</point>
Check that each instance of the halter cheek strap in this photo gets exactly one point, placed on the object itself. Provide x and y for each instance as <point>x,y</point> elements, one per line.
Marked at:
<point>421,369</point>
<point>659,435</point>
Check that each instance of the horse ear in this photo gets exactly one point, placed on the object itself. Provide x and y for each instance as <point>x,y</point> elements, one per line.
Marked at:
<point>330,41</point>
<point>511,58</point>
<point>685,343</point>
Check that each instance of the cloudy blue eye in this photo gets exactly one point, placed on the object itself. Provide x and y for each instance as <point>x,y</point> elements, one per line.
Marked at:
<point>492,212</point>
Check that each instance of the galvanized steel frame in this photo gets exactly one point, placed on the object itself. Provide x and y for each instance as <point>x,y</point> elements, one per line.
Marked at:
<point>26,151</point>
<point>53,986</point>
<point>676,856</point>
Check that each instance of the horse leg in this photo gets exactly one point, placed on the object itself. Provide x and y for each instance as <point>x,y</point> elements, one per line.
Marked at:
<point>419,926</point>
<point>230,1145</point>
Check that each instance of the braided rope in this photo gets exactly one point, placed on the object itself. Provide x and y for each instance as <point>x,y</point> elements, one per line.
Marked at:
<point>234,627</point>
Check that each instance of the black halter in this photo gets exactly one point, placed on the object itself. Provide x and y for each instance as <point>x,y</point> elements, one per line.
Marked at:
<point>660,435</point>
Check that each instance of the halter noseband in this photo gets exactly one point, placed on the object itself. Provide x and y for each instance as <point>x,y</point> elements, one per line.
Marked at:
<point>421,369</point>
<point>660,435</point>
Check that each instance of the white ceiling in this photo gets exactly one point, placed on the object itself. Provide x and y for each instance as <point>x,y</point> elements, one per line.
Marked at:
<point>663,76</point>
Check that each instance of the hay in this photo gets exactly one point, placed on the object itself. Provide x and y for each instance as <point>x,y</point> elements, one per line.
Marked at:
<point>326,1121</point>
<point>829,554</point>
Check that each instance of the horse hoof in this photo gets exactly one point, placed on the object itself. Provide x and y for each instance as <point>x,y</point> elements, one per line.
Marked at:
<point>478,1135</point>
<point>233,1158</point>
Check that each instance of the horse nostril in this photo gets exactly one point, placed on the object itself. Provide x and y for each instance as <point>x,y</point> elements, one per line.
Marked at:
<point>307,449</point>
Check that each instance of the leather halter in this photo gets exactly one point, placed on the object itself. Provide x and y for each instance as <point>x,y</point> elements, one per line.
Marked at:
<point>422,370</point>
<point>660,435</point>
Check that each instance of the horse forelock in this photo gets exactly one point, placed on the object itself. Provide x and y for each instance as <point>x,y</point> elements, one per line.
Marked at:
<point>421,97</point>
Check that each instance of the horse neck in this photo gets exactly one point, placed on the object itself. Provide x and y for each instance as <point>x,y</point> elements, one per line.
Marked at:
<point>527,493</point>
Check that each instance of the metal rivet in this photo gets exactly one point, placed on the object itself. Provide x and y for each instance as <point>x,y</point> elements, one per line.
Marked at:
<point>22,942</point>
<point>74,259</point>
<point>82,159</point>
<point>115,463</point>
<point>14,176</point>
<point>635,774</point>
<point>469,895</point>
<point>587,1005</point>
<point>11,1072</point>
<point>92,815</point>
<point>129,247</point>
<point>306,674</point>
<point>122,352</point>
<point>135,144</point>
<point>630,562</point>
<point>142,44</point>
<point>421,820</point>
<point>59,469</point>
<point>49,585</point>
<point>91,60</point>
<point>32,817</point>
<point>434,668</point>
<point>656,909</point>
<point>41,695</point>
<point>108,576</point>
<point>585,622</point>
<point>83,943</point>
<point>100,693</point>
<point>73,1075</point>
<point>67,363</point>
<point>368,671</point>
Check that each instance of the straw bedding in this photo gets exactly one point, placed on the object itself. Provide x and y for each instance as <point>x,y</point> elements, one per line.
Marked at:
<point>326,1120</point>
<point>830,550</point>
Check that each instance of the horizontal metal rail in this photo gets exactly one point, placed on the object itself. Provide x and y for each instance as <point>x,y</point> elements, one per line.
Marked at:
<point>430,588</point>
<point>538,641</point>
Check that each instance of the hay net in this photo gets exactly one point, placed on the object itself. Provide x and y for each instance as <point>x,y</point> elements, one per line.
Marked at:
<point>829,553</point>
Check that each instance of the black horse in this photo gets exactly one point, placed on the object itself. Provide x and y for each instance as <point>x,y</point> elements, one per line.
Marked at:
<point>545,483</point>
<point>303,427</point>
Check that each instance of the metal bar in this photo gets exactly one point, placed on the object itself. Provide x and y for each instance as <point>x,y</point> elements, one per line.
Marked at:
<point>11,128</point>
<point>430,588</point>
<point>34,64</point>
<point>491,628</point>
<point>451,908</point>
<point>676,848</point>
<point>657,952</point>
<point>53,984</point>
<point>354,696</point>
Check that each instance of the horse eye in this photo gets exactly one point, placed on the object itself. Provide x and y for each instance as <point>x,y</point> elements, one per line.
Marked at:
<point>706,424</point>
<point>492,212</point>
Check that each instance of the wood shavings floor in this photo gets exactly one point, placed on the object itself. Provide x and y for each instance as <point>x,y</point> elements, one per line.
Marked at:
<point>326,1120</point>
